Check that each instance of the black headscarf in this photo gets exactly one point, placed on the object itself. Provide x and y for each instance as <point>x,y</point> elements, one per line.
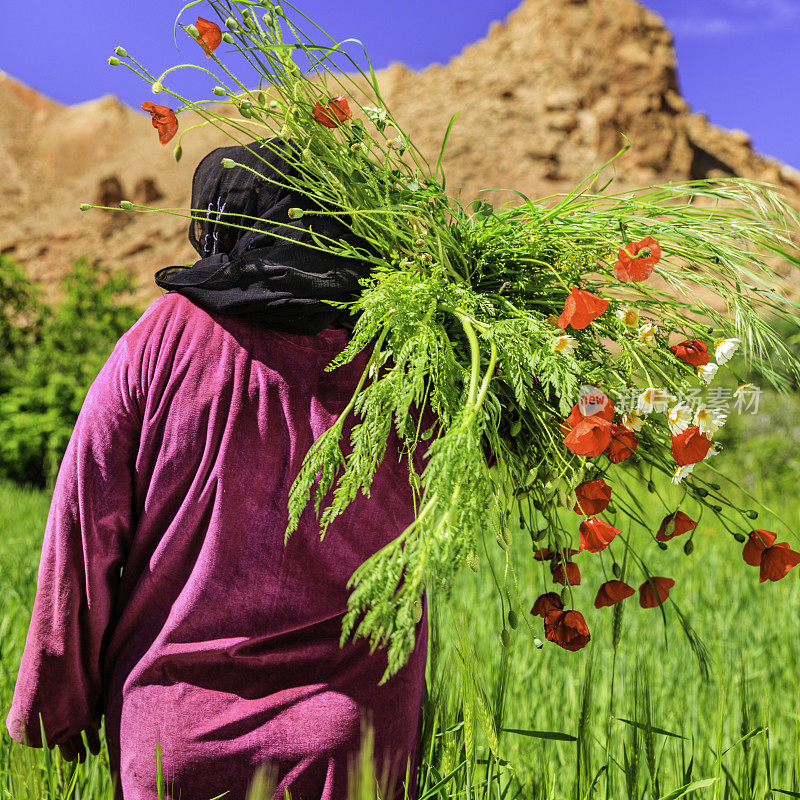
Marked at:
<point>254,274</point>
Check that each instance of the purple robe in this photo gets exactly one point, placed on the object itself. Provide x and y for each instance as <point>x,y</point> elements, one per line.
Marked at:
<point>178,471</point>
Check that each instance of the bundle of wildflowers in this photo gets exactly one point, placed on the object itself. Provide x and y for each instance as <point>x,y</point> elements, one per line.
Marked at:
<point>558,343</point>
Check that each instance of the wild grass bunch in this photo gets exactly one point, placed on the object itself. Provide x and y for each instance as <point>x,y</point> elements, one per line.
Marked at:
<point>566,348</point>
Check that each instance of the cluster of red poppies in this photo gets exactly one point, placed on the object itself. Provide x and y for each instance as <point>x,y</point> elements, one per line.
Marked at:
<point>209,36</point>
<point>571,632</point>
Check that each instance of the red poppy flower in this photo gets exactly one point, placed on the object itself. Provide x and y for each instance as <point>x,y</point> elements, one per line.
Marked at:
<point>636,261</point>
<point>755,545</point>
<point>567,629</point>
<point>623,443</point>
<point>546,602</point>
<point>573,573</point>
<point>690,446</point>
<point>580,308</point>
<point>164,120</point>
<point>647,597</point>
<point>334,113</point>
<point>776,561</point>
<point>674,525</point>
<point>210,35</point>
<point>576,415</point>
<point>612,592</point>
<point>592,496</point>
<point>692,351</point>
<point>590,437</point>
<point>596,534</point>
<point>545,554</point>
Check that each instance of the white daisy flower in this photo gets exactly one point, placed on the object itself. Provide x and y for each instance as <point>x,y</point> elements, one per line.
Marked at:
<point>652,399</point>
<point>633,420</point>
<point>713,450</point>
<point>743,390</point>
<point>725,348</point>
<point>630,316</point>
<point>709,420</point>
<point>679,418</point>
<point>647,333</point>
<point>707,373</point>
<point>681,473</point>
<point>565,344</point>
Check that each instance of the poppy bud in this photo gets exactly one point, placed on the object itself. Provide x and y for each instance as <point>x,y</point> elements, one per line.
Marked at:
<point>516,427</point>
<point>701,492</point>
<point>473,563</point>
<point>538,644</point>
<point>192,31</point>
<point>651,487</point>
<point>126,204</point>
<point>718,509</point>
<point>688,548</point>
<point>306,154</point>
<point>616,569</point>
<point>752,514</point>
<point>273,103</point>
<point>120,51</point>
<point>539,535</point>
<point>512,619</point>
<point>501,542</point>
<point>219,91</point>
<point>279,11</point>
<point>228,163</point>
<point>417,611</point>
<point>232,24</point>
<point>262,99</point>
<point>227,38</point>
<point>85,206</point>
<point>562,498</point>
<point>505,637</point>
<point>715,486</point>
<point>740,537</point>
<point>507,536</point>
<point>115,62</point>
<point>156,87</point>
<point>295,213</point>
<point>245,112</point>
<point>246,104</point>
<point>177,152</point>
<point>662,545</point>
<point>286,132</point>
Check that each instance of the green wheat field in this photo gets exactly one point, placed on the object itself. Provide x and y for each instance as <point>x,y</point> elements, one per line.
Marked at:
<point>637,721</point>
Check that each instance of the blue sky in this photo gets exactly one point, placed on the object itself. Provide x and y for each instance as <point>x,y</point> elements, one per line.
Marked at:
<point>736,58</point>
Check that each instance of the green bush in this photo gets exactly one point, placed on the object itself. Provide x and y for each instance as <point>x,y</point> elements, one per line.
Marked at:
<point>49,359</point>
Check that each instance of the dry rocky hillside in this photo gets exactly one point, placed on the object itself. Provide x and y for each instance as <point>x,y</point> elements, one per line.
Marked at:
<point>543,99</point>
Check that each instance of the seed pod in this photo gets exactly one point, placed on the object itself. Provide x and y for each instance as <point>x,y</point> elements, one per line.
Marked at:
<point>227,38</point>
<point>245,112</point>
<point>228,163</point>
<point>219,91</point>
<point>192,31</point>
<point>126,204</point>
<point>85,206</point>
<point>688,547</point>
<point>505,637</point>
<point>246,104</point>
<point>232,24</point>
<point>114,61</point>
<point>516,427</point>
<point>121,51</point>
<point>473,563</point>
<point>512,619</point>
<point>617,570</point>
<point>507,535</point>
<point>501,542</point>
<point>295,213</point>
